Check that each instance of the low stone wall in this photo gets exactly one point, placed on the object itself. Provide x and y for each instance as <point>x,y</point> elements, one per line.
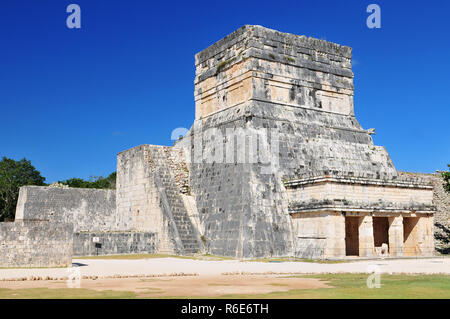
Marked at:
<point>114,243</point>
<point>35,244</point>
<point>88,209</point>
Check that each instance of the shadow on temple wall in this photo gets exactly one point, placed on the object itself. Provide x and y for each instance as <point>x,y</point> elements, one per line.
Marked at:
<point>443,237</point>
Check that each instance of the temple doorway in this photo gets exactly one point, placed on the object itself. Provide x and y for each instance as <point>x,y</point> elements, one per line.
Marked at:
<point>380,231</point>
<point>352,235</point>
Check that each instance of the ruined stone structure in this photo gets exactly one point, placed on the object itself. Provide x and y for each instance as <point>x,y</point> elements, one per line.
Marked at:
<point>318,187</point>
<point>441,200</point>
<point>35,243</point>
<point>275,164</point>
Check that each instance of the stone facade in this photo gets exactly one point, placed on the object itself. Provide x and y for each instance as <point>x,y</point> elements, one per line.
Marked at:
<point>114,243</point>
<point>303,165</point>
<point>90,213</point>
<point>441,200</point>
<point>152,195</point>
<point>35,244</point>
<point>275,164</point>
<point>86,209</point>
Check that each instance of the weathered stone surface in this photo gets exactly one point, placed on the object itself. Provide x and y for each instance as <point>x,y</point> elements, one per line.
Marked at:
<point>35,244</point>
<point>441,200</point>
<point>85,208</point>
<point>275,164</point>
<point>151,183</point>
<point>114,243</point>
<point>295,96</point>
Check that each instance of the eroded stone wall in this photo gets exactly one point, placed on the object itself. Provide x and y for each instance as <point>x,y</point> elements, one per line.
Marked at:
<point>87,209</point>
<point>35,244</point>
<point>114,243</point>
<point>151,183</point>
<point>441,200</point>
<point>297,94</point>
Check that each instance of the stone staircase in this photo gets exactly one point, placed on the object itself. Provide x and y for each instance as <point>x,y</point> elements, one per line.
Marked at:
<point>170,192</point>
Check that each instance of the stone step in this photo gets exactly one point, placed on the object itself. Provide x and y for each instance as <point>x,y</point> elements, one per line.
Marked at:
<point>167,182</point>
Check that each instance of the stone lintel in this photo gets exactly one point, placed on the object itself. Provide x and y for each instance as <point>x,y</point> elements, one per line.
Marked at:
<point>399,182</point>
<point>273,38</point>
<point>358,210</point>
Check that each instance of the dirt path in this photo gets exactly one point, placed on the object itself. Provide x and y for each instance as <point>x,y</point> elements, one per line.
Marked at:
<point>193,286</point>
<point>165,266</point>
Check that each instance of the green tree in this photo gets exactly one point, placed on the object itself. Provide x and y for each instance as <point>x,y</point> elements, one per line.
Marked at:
<point>93,182</point>
<point>446,177</point>
<point>13,175</point>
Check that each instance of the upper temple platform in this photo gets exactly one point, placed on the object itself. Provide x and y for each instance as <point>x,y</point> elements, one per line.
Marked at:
<point>261,64</point>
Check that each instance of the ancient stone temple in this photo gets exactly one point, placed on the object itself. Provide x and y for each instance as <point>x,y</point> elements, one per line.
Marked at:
<point>318,186</point>
<point>275,164</point>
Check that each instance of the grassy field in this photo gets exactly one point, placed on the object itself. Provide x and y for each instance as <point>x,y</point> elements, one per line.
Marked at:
<point>347,286</point>
<point>353,286</point>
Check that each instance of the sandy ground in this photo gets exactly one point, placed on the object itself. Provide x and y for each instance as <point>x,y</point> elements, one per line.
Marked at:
<point>183,286</point>
<point>164,266</point>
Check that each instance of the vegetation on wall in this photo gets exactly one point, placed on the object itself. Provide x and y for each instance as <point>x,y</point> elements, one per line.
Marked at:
<point>93,182</point>
<point>446,177</point>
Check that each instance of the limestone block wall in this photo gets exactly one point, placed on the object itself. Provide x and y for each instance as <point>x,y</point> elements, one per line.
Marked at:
<point>420,239</point>
<point>298,93</point>
<point>114,243</point>
<point>319,235</point>
<point>368,193</point>
<point>441,200</point>
<point>310,106</point>
<point>243,213</point>
<point>138,200</point>
<point>86,209</point>
<point>266,65</point>
<point>150,183</point>
<point>35,244</point>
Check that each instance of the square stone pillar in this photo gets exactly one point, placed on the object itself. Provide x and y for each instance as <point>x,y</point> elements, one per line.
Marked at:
<point>396,236</point>
<point>425,238</point>
<point>366,244</point>
<point>335,244</point>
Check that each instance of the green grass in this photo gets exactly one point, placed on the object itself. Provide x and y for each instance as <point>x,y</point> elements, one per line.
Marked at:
<point>353,286</point>
<point>346,286</point>
<point>64,293</point>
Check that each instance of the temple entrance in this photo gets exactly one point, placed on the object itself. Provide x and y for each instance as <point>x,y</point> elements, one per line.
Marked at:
<point>410,236</point>
<point>352,236</point>
<point>380,231</point>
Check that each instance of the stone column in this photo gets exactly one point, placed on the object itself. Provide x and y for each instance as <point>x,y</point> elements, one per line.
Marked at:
<point>335,246</point>
<point>425,240</point>
<point>396,236</point>
<point>366,244</point>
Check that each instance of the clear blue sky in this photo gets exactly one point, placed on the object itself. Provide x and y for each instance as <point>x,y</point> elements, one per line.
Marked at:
<point>70,100</point>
